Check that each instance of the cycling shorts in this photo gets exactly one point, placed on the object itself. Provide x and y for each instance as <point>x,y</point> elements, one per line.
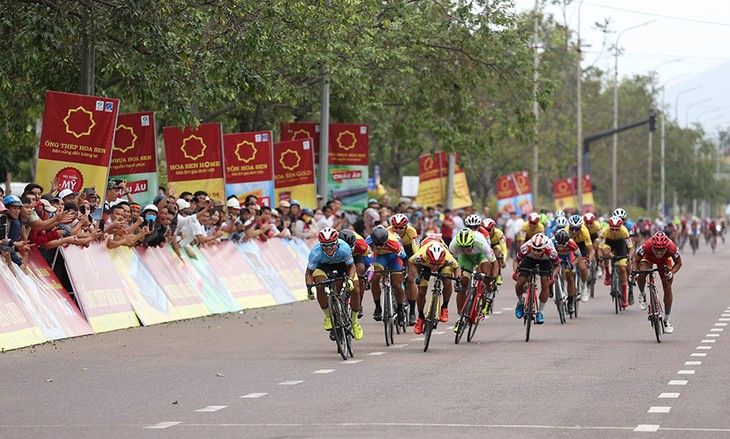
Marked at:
<point>389,261</point>
<point>529,263</point>
<point>327,270</point>
<point>425,273</point>
<point>567,261</point>
<point>471,261</point>
<point>619,248</point>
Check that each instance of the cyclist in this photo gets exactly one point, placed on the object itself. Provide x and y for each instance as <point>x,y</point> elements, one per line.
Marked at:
<point>538,251</point>
<point>561,223</point>
<point>582,237</point>
<point>474,222</point>
<point>433,256</point>
<point>328,255</point>
<point>659,251</point>
<point>388,254</point>
<point>473,253</point>
<point>499,245</point>
<point>362,255</point>
<point>569,253</point>
<point>531,227</point>
<point>615,239</point>
<point>400,227</point>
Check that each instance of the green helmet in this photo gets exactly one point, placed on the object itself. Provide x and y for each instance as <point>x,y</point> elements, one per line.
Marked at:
<point>465,238</point>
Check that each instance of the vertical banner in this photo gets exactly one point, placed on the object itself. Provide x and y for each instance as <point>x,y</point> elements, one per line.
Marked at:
<point>514,193</point>
<point>195,159</point>
<point>433,173</point>
<point>249,165</point>
<point>76,141</point>
<point>134,157</point>
<point>566,194</point>
<point>294,172</point>
<point>348,159</point>
<point>302,130</point>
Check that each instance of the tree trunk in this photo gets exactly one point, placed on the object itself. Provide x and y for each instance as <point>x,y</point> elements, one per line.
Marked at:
<point>88,54</point>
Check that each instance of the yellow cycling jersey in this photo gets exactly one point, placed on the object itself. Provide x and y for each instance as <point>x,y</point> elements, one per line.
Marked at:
<point>419,258</point>
<point>580,237</point>
<point>594,228</point>
<point>496,239</point>
<point>410,237</point>
<point>528,230</point>
<point>609,235</point>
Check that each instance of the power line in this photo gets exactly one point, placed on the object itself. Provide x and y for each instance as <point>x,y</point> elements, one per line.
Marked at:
<point>669,17</point>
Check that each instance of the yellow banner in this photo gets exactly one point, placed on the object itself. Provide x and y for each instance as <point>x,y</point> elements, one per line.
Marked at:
<point>571,202</point>
<point>74,176</point>
<point>306,194</point>
<point>433,192</point>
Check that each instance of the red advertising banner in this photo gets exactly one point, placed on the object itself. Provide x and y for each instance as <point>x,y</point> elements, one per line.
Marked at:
<point>195,159</point>
<point>134,144</point>
<point>432,166</point>
<point>513,185</point>
<point>302,130</point>
<point>248,157</point>
<point>76,141</point>
<point>294,172</point>
<point>348,144</point>
<point>566,193</point>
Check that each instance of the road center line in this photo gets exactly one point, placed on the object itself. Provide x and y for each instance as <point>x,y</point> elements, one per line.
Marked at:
<point>324,371</point>
<point>704,347</point>
<point>650,428</point>
<point>254,395</point>
<point>161,425</point>
<point>686,372</point>
<point>212,408</point>
<point>669,395</point>
<point>290,383</point>
<point>377,353</point>
<point>698,354</point>
<point>712,335</point>
<point>692,363</point>
<point>716,329</point>
<point>708,341</point>
<point>720,324</point>
<point>659,409</point>
<point>678,383</point>
<point>351,361</point>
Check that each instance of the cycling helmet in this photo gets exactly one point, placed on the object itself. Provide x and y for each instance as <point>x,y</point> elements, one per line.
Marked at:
<point>615,222</point>
<point>539,241</point>
<point>588,218</point>
<point>619,212</point>
<point>559,213</point>
<point>436,254</point>
<point>349,237</point>
<point>575,220</point>
<point>660,240</point>
<point>561,222</point>
<point>398,220</point>
<point>562,236</point>
<point>533,218</point>
<point>465,238</point>
<point>473,220</point>
<point>379,235</point>
<point>328,235</point>
<point>488,224</point>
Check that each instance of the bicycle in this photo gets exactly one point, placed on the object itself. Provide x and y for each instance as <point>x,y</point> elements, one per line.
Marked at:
<point>338,302</point>
<point>694,242</point>
<point>477,305</point>
<point>560,294</point>
<point>592,276</point>
<point>390,305</point>
<point>654,306</point>
<point>615,281</point>
<point>530,310</point>
<point>434,305</point>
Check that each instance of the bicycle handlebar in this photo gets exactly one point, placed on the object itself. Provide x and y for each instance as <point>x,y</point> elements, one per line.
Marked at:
<point>651,270</point>
<point>613,257</point>
<point>327,281</point>
<point>480,274</point>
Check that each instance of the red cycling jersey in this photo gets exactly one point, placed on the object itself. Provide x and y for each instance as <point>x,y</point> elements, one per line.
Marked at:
<point>646,253</point>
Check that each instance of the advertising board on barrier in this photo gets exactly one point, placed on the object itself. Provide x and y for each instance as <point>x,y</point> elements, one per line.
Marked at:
<point>134,157</point>
<point>195,159</point>
<point>301,131</point>
<point>249,165</point>
<point>76,141</point>
<point>16,325</point>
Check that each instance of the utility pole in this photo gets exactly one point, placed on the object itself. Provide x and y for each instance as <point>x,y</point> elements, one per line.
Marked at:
<point>535,109</point>
<point>579,116</point>
<point>324,136</point>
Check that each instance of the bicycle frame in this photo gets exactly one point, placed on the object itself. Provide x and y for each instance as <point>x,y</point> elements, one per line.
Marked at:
<point>434,304</point>
<point>654,308</point>
<point>389,306</point>
<point>531,306</point>
<point>339,307</point>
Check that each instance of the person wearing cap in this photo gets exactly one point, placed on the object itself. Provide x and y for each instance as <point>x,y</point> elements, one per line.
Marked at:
<point>13,205</point>
<point>371,216</point>
<point>68,196</point>
<point>306,227</point>
<point>113,195</point>
<point>295,210</point>
<point>135,210</point>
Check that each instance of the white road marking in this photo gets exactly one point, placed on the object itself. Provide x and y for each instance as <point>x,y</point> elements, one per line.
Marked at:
<point>692,363</point>
<point>161,425</point>
<point>496,312</point>
<point>720,324</point>
<point>686,372</point>
<point>418,339</point>
<point>439,332</point>
<point>324,371</point>
<point>708,341</point>
<point>669,395</point>
<point>651,428</point>
<point>399,346</point>
<point>351,361</point>
<point>291,383</point>
<point>507,309</point>
<point>698,354</point>
<point>717,329</point>
<point>212,408</point>
<point>377,353</point>
<point>450,327</point>
<point>726,315</point>
<point>704,347</point>
<point>723,320</point>
<point>659,409</point>
<point>712,335</point>
<point>254,395</point>
<point>678,383</point>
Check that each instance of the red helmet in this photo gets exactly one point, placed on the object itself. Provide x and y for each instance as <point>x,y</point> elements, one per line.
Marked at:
<point>399,220</point>
<point>539,241</point>
<point>488,224</point>
<point>436,254</point>
<point>328,235</point>
<point>615,222</point>
<point>588,218</point>
<point>660,240</point>
<point>533,218</point>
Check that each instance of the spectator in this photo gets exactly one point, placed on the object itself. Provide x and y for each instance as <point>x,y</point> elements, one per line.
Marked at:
<point>134,210</point>
<point>15,228</point>
<point>371,216</point>
<point>265,228</point>
<point>295,210</point>
<point>305,226</point>
<point>447,227</point>
<point>284,208</point>
<point>459,219</point>
<point>283,225</point>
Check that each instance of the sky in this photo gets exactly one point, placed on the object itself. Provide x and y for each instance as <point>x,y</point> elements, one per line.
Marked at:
<point>686,42</point>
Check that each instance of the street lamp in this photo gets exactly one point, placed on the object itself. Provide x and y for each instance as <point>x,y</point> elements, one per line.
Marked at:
<point>676,102</point>
<point>689,106</point>
<point>579,117</point>
<point>664,119</point>
<point>614,200</point>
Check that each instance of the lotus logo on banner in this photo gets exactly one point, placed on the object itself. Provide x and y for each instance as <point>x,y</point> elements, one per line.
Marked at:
<point>346,140</point>
<point>246,151</point>
<point>125,140</point>
<point>290,160</point>
<point>79,122</point>
<point>193,147</point>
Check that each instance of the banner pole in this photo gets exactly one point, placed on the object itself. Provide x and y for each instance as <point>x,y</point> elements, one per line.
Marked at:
<point>324,132</point>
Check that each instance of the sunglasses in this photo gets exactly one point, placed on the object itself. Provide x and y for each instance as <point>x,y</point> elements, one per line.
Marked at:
<point>328,245</point>
<point>398,228</point>
<point>575,229</point>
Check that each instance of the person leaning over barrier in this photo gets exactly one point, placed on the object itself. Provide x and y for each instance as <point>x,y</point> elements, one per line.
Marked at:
<point>15,229</point>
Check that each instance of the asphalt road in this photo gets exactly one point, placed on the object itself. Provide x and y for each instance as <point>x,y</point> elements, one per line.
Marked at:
<point>274,373</point>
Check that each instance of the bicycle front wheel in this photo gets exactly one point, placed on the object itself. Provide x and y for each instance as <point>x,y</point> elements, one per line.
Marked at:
<point>388,312</point>
<point>656,318</point>
<point>430,321</point>
<point>529,310</point>
<point>559,302</point>
<point>338,328</point>
<point>616,289</point>
<point>473,326</point>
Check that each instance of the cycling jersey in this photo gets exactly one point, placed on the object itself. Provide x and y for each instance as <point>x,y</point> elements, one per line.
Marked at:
<point>410,237</point>
<point>610,235</point>
<point>646,253</point>
<point>497,240</point>
<point>529,230</point>
<point>593,229</point>
<point>317,257</point>
<point>481,247</point>
<point>392,245</point>
<point>420,258</point>
<point>565,251</point>
<point>361,246</point>
<point>549,253</point>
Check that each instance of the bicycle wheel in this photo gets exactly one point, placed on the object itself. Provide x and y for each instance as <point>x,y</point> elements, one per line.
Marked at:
<point>464,316</point>
<point>559,302</point>
<point>592,278</point>
<point>615,289</point>
<point>530,308</point>
<point>338,328</point>
<point>473,326</point>
<point>430,320</point>
<point>388,310</point>
<point>656,318</point>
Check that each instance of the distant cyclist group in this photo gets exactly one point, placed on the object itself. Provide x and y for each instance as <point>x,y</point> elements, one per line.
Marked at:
<point>575,249</point>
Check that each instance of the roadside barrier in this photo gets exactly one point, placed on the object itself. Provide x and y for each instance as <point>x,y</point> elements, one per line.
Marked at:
<point>127,287</point>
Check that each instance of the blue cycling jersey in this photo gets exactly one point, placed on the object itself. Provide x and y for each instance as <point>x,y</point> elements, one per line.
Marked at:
<point>343,255</point>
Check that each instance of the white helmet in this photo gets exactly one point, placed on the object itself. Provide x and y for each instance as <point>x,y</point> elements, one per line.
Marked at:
<point>561,222</point>
<point>619,212</point>
<point>473,220</point>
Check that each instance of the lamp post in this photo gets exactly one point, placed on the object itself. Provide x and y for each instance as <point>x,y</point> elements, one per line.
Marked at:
<point>579,115</point>
<point>676,102</point>
<point>663,122</point>
<point>614,162</point>
<point>689,107</point>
